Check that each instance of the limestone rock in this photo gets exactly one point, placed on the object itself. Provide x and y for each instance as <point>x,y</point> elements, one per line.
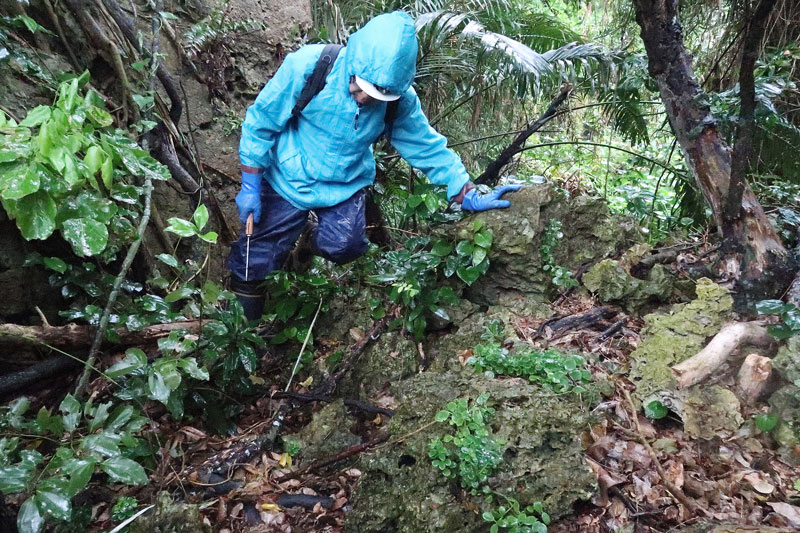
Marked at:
<point>612,284</point>
<point>785,403</point>
<point>711,411</point>
<point>543,461</point>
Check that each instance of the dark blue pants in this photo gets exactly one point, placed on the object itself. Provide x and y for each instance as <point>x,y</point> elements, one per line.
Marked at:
<point>340,235</point>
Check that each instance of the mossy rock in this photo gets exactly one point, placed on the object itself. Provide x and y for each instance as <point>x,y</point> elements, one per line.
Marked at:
<point>785,402</point>
<point>710,411</point>
<point>672,337</point>
<point>170,516</point>
<point>402,491</point>
<point>393,357</point>
<point>327,434</point>
<point>590,232</point>
<point>612,284</point>
<point>787,361</point>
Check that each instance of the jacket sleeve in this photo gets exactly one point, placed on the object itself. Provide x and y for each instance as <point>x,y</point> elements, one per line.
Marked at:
<point>272,109</point>
<point>425,148</point>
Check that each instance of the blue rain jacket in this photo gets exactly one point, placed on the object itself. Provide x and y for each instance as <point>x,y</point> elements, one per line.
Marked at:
<point>325,156</point>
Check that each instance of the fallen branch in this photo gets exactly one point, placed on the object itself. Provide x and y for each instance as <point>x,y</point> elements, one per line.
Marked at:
<point>492,173</point>
<point>74,335</point>
<point>561,326</point>
<point>341,456</point>
<point>34,374</point>
<point>731,336</point>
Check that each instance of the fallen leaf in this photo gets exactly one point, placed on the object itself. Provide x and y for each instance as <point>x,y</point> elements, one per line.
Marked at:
<point>674,473</point>
<point>759,483</point>
<point>270,507</point>
<point>377,420</point>
<point>605,480</point>
<point>255,380</point>
<point>790,512</point>
<point>353,472</point>
<point>357,334</point>
<point>307,382</point>
<point>285,460</point>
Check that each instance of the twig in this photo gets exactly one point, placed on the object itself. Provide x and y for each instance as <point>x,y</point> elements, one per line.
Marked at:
<point>112,298</point>
<point>677,493</point>
<point>303,348</point>
<point>341,456</point>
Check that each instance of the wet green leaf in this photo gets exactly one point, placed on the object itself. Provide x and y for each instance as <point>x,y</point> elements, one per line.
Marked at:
<point>36,214</point>
<point>124,470</point>
<point>87,236</point>
<point>29,518</point>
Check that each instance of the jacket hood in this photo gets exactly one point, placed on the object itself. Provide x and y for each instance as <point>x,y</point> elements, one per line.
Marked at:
<point>384,52</point>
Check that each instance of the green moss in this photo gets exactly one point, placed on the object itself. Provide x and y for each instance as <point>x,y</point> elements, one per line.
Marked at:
<point>327,433</point>
<point>669,338</point>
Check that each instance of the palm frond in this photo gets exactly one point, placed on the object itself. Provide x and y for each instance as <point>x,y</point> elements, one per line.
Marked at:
<point>501,58</point>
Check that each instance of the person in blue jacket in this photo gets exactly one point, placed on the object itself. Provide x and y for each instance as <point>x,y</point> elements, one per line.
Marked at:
<point>323,161</point>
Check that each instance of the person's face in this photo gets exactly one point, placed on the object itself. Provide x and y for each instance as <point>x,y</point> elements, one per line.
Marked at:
<point>360,96</point>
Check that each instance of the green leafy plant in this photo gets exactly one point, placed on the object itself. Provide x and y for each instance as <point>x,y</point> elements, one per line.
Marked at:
<point>65,168</point>
<point>551,368</point>
<point>414,270</point>
<point>470,454</point>
<point>124,508</point>
<point>790,318</point>
<point>766,422</point>
<point>561,276</point>
<point>293,300</point>
<point>86,439</point>
<point>292,447</point>
<point>194,227</point>
<point>512,517</point>
<point>655,410</point>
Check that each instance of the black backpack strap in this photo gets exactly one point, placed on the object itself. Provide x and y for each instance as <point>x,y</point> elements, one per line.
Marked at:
<point>317,80</point>
<point>388,119</point>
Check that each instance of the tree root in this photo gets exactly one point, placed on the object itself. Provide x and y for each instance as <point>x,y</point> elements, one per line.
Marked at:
<point>107,47</point>
<point>716,352</point>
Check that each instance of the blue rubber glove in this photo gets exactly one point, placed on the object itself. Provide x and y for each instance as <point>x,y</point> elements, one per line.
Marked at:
<point>249,198</point>
<point>475,201</point>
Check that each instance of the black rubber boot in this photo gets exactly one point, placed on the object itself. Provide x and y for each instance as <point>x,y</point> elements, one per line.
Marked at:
<point>251,297</point>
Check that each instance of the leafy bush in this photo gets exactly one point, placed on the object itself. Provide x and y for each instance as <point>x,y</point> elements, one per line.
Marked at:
<point>413,272</point>
<point>76,443</point>
<point>65,168</point>
<point>552,368</point>
<point>470,454</point>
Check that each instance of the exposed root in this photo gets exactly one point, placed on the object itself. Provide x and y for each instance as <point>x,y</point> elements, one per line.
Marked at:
<point>731,336</point>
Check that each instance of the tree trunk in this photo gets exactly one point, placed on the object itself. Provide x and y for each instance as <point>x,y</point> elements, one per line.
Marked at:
<point>761,266</point>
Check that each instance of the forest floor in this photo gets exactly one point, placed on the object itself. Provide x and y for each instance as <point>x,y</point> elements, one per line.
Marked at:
<point>651,475</point>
